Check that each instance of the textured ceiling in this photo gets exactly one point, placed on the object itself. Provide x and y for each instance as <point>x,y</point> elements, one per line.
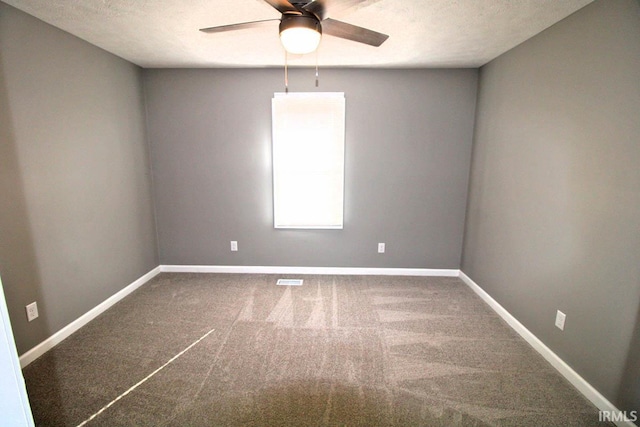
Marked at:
<point>423,33</point>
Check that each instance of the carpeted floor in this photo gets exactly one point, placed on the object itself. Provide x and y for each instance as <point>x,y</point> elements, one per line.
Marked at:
<point>339,350</point>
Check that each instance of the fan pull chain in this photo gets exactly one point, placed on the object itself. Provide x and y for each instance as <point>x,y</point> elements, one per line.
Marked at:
<point>316,67</point>
<point>286,72</point>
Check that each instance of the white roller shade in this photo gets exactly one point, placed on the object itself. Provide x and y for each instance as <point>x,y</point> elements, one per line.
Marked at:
<point>308,159</point>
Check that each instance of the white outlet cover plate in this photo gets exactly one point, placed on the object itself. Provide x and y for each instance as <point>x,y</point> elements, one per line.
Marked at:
<point>32,311</point>
<point>560,319</point>
<point>381,247</point>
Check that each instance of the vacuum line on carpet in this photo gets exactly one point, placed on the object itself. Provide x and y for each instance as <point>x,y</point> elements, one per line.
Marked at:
<point>144,379</point>
<point>221,347</point>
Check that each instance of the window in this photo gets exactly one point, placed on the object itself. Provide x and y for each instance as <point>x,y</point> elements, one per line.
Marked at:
<point>308,159</point>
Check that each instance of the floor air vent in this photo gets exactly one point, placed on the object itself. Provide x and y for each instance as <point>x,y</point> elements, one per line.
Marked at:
<point>289,282</point>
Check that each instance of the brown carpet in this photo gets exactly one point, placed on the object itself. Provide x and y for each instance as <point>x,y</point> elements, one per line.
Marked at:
<point>339,350</point>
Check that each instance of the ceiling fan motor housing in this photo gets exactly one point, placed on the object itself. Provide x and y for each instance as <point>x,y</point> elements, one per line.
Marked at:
<point>300,21</point>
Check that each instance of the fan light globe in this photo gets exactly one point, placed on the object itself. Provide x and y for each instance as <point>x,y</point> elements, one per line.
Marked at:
<point>300,40</point>
<point>300,34</point>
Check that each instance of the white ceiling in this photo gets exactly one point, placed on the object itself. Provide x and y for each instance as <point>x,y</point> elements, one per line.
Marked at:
<point>422,33</point>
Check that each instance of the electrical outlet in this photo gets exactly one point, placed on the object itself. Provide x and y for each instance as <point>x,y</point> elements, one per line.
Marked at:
<point>560,318</point>
<point>380,248</point>
<point>32,311</point>
<point>234,246</point>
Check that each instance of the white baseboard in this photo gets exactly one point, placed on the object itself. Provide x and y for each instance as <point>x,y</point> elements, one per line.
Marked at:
<point>63,333</point>
<point>560,365</point>
<point>308,270</point>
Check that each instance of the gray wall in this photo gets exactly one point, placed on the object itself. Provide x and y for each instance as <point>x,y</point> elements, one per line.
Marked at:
<point>76,217</point>
<point>408,148</point>
<point>554,206</point>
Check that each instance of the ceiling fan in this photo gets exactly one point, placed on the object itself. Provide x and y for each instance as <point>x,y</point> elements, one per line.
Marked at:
<point>304,21</point>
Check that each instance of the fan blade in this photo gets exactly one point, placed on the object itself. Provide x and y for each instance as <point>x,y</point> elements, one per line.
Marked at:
<point>282,6</point>
<point>240,26</point>
<point>323,8</point>
<point>352,32</point>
